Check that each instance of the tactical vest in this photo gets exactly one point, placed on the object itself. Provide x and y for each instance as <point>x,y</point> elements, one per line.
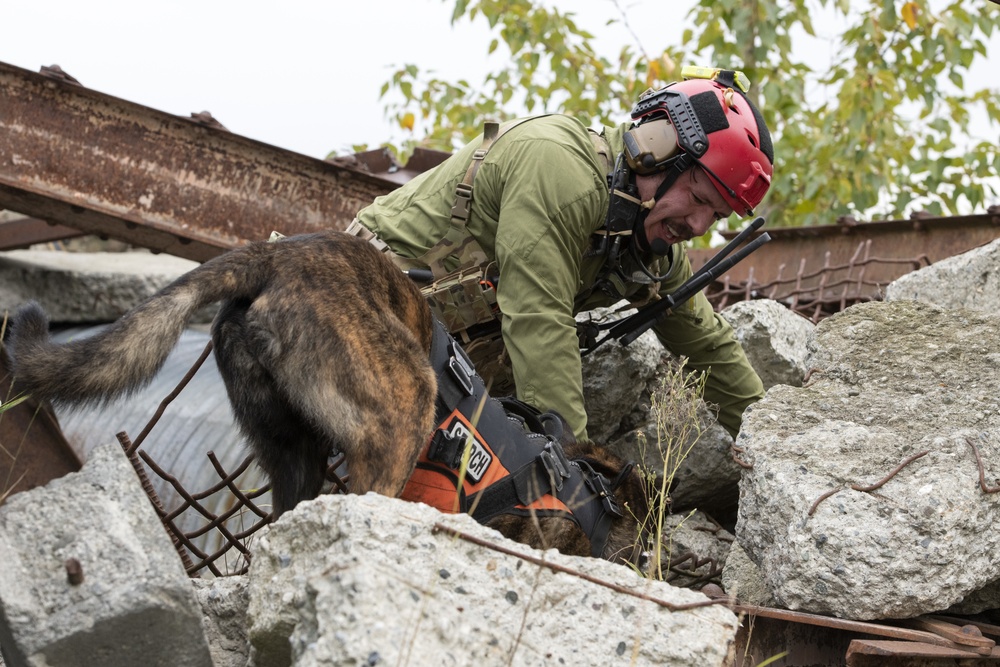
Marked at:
<point>462,294</point>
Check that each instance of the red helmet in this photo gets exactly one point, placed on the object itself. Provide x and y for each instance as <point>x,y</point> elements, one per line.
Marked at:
<point>716,126</point>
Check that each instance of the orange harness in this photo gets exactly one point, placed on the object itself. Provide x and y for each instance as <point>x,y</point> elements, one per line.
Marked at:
<point>435,483</point>
<point>485,460</point>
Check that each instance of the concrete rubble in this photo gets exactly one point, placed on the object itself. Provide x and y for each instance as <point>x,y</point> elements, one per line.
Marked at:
<point>337,581</point>
<point>84,287</point>
<point>774,338</point>
<point>90,577</point>
<point>893,380</point>
<point>368,578</point>
<point>899,382</point>
<point>224,616</point>
<point>706,477</point>
<point>694,549</point>
<point>365,580</point>
<point>970,280</point>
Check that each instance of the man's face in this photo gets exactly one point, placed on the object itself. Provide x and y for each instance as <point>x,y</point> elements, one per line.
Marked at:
<point>688,209</point>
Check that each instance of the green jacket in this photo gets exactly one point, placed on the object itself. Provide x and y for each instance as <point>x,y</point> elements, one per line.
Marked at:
<point>539,195</point>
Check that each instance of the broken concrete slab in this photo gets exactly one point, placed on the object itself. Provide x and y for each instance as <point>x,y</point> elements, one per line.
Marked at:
<point>707,478</point>
<point>774,339</point>
<point>84,287</point>
<point>615,378</point>
<point>741,579</point>
<point>970,280</point>
<point>694,548</point>
<point>223,603</point>
<point>90,576</point>
<point>692,454</point>
<point>898,383</point>
<point>366,579</point>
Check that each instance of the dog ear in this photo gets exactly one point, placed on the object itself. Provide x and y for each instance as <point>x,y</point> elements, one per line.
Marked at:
<point>623,476</point>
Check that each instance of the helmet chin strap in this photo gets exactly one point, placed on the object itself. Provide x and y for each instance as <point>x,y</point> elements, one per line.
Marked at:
<point>640,242</point>
<point>658,247</point>
<point>624,227</point>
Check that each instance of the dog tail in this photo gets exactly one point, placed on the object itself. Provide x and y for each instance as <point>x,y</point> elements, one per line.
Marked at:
<point>125,356</point>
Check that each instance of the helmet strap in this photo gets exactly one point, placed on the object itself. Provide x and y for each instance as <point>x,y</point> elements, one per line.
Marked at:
<point>641,246</point>
<point>674,169</point>
<point>624,227</point>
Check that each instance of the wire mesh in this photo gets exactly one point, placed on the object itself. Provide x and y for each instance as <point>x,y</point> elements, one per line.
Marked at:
<point>817,293</point>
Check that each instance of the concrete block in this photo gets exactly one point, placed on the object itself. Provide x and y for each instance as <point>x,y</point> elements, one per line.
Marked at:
<point>131,602</point>
<point>363,580</point>
<point>85,287</point>
<point>224,608</point>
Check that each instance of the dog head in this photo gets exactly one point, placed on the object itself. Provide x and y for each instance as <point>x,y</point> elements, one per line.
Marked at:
<point>629,537</point>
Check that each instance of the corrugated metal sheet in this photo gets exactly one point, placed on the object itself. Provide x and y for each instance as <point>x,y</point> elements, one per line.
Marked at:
<point>198,421</point>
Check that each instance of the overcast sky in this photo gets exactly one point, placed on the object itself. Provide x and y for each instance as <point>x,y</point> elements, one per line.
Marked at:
<point>301,74</point>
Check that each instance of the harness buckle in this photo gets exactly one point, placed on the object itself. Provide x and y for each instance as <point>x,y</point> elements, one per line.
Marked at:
<point>463,202</point>
<point>599,485</point>
<point>446,448</point>
<point>555,463</point>
<point>461,368</point>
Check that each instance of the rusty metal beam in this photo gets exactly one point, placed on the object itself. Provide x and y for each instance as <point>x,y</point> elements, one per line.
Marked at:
<point>106,166</point>
<point>814,639</point>
<point>814,247</point>
<point>33,450</point>
<point>877,653</point>
<point>24,232</point>
<point>381,164</point>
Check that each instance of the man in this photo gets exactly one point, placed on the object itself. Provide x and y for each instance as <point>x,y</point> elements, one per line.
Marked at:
<point>564,220</point>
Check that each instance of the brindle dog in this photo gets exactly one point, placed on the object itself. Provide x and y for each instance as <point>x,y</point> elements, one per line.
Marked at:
<point>323,345</point>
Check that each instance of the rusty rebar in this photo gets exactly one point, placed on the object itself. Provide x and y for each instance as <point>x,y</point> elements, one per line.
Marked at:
<point>332,476</point>
<point>183,541</point>
<point>555,567</point>
<point>839,285</point>
<point>907,461</point>
<point>809,374</point>
<point>171,396</point>
<point>175,534</point>
<point>982,470</point>
<point>872,487</point>
<point>74,572</point>
<point>733,451</point>
<point>714,570</point>
<point>812,509</point>
<point>232,541</point>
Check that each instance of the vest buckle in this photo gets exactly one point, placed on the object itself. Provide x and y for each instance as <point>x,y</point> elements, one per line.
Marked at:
<point>555,463</point>
<point>461,368</point>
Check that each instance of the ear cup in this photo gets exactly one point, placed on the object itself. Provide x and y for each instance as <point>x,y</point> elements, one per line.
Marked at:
<point>649,145</point>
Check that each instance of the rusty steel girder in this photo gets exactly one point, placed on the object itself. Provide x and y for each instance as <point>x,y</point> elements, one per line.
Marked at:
<point>33,450</point>
<point>805,260</point>
<point>106,166</point>
<point>25,232</point>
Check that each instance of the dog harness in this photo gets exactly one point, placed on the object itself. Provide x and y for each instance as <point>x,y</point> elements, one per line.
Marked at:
<point>486,460</point>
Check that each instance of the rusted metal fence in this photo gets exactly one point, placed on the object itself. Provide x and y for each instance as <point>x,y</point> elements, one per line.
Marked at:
<point>817,292</point>
<point>241,517</point>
